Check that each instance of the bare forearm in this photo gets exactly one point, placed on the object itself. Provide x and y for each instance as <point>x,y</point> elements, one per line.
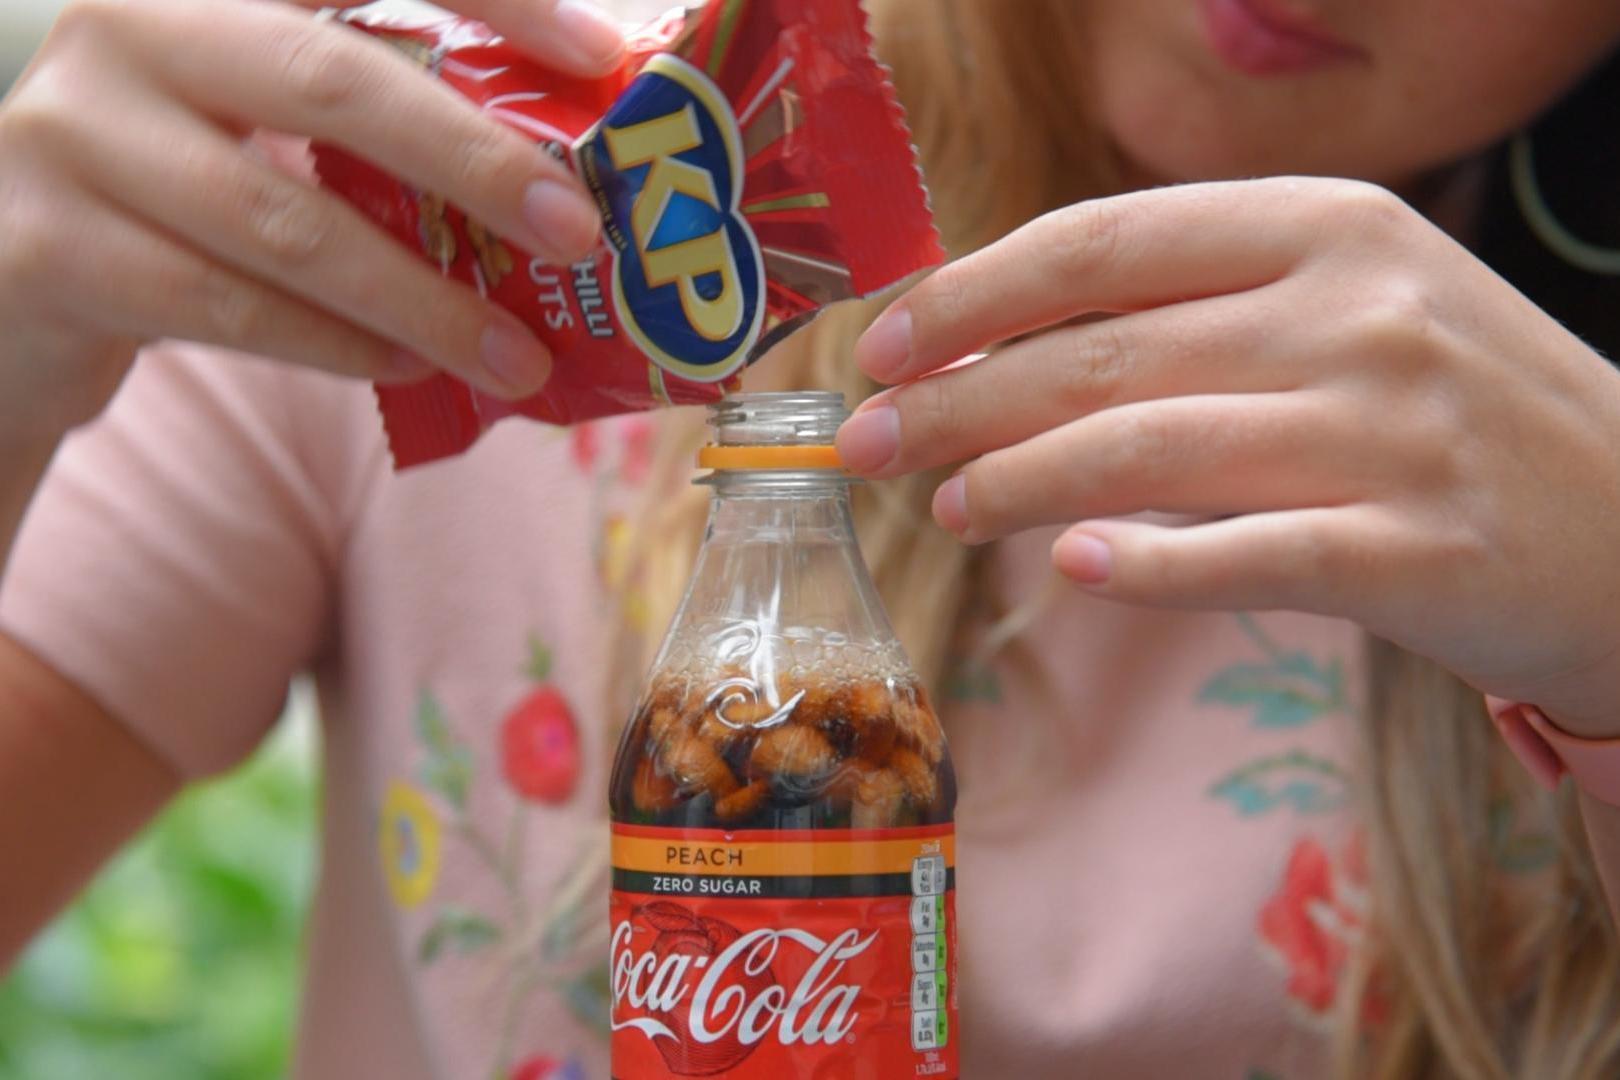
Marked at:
<point>21,466</point>
<point>75,785</point>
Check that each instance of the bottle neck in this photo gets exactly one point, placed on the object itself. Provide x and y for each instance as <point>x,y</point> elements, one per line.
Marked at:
<point>780,552</point>
<point>734,484</point>
<point>781,508</point>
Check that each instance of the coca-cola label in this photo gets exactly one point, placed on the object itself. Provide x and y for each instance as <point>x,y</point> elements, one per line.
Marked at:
<point>792,955</point>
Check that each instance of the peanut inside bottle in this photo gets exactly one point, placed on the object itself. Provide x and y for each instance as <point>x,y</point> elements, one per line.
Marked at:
<point>783,849</point>
<point>781,699</point>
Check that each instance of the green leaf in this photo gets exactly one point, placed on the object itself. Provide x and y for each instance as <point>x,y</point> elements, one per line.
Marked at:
<point>539,666</point>
<point>1303,665</point>
<point>563,929</point>
<point>1526,853</point>
<point>1518,852</point>
<point>969,683</point>
<point>1239,684</point>
<point>459,929</point>
<point>1499,819</point>
<point>1296,780</point>
<point>590,996</point>
<point>450,774</point>
<point>431,726</point>
<point>1299,663</point>
<point>1277,699</point>
<point>1335,682</point>
<point>1286,710</point>
<point>449,767</point>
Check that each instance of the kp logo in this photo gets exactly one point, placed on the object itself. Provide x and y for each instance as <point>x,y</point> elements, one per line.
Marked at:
<point>666,164</point>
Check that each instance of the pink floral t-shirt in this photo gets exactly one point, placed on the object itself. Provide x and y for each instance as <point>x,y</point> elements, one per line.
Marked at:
<point>1157,870</point>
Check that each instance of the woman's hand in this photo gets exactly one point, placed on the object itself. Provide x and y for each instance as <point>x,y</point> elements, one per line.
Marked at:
<point>1363,419</point>
<point>133,208</point>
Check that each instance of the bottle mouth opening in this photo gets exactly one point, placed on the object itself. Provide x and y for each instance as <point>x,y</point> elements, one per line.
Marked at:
<point>799,418</point>
<point>780,432</point>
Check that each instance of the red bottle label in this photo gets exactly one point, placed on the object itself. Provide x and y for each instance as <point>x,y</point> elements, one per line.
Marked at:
<point>788,955</point>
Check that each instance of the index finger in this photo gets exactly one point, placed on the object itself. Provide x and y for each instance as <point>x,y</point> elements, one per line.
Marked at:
<point>1115,255</point>
<point>573,36</point>
<point>270,66</point>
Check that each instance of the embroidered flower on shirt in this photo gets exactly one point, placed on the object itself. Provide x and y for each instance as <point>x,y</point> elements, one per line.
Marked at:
<point>408,837</point>
<point>1314,921</point>
<point>585,445</point>
<point>555,947</point>
<point>970,681</point>
<point>1519,847</point>
<point>1285,690</point>
<point>638,445</point>
<point>627,458</point>
<point>539,742</point>
<point>614,548</point>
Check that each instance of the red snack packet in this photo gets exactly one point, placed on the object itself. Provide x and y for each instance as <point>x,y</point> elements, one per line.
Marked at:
<point>752,165</point>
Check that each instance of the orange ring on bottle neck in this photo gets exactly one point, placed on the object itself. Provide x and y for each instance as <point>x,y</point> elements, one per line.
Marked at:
<point>781,458</point>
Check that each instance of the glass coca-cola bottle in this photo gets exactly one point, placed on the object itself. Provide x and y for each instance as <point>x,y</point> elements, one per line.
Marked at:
<point>783,847</point>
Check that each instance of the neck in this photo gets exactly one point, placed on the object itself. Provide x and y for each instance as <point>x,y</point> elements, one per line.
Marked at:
<point>1450,196</point>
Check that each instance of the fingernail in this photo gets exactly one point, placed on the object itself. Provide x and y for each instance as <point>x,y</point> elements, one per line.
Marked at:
<point>869,440</point>
<point>1084,558</point>
<point>562,219</point>
<point>950,505</point>
<point>405,366</point>
<point>593,33</point>
<point>886,346</point>
<point>517,362</point>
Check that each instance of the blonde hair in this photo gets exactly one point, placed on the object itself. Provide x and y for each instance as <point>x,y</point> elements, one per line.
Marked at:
<point>1477,980</point>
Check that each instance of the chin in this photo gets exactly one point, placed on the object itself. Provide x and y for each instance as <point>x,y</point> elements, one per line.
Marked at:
<point>1172,134</point>
<point>1177,117</point>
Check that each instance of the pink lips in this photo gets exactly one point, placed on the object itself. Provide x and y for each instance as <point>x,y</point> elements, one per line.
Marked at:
<point>1263,37</point>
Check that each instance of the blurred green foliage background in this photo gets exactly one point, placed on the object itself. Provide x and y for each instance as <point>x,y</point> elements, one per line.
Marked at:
<point>183,959</point>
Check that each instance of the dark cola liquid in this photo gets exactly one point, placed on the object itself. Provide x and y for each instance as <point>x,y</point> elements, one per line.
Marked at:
<point>719,753</point>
